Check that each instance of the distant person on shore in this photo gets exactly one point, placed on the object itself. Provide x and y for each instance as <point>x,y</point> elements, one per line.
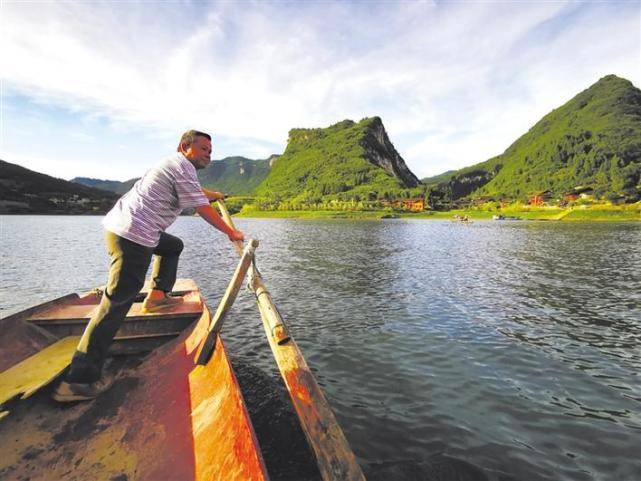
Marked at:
<point>134,232</point>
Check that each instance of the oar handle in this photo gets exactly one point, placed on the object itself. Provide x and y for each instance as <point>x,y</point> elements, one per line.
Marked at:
<point>227,218</point>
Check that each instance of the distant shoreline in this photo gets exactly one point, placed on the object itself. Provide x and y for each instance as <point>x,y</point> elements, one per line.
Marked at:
<point>594,213</point>
<point>598,213</point>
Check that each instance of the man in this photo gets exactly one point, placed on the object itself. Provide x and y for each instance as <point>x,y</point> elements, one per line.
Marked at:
<point>134,231</point>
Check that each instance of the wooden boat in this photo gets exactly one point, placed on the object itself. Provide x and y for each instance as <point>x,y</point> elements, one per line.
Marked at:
<point>176,414</point>
<point>167,418</point>
<point>464,219</point>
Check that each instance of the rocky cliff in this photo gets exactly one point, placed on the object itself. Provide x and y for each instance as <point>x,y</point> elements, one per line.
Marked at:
<point>380,151</point>
<point>345,161</point>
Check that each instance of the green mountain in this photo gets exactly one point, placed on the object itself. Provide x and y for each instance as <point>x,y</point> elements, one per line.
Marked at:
<point>436,179</point>
<point>235,175</point>
<point>593,140</point>
<point>231,175</point>
<point>27,192</point>
<point>346,161</point>
<point>110,185</point>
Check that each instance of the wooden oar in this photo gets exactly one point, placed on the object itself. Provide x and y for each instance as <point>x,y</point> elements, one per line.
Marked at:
<point>277,328</point>
<point>226,302</point>
<point>334,457</point>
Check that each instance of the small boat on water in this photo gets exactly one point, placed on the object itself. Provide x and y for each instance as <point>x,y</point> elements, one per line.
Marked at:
<point>462,218</point>
<point>176,411</point>
<point>505,217</point>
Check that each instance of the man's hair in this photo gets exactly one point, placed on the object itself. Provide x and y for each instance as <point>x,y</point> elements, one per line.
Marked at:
<point>189,136</point>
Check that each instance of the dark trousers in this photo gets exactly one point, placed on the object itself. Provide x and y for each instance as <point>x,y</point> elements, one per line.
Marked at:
<point>129,264</point>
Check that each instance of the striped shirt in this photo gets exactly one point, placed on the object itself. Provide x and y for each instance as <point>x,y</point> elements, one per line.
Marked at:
<point>156,201</point>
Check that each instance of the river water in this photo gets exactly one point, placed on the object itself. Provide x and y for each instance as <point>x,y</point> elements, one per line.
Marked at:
<point>514,346</point>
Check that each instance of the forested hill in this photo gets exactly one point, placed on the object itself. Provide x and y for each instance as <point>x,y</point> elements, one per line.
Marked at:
<point>27,192</point>
<point>445,176</point>
<point>594,140</point>
<point>110,185</point>
<point>346,161</point>
<point>231,175</point>
<point>235,175</point>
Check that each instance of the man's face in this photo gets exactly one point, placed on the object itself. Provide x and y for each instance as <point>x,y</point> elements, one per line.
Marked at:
<point>199,152</point>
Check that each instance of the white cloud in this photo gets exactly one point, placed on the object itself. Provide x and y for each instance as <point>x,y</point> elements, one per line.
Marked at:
<point>469,77</point>
<point>53,164</point>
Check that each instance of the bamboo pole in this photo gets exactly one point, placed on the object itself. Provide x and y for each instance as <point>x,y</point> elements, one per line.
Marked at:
<point>277,328</point>
<point>216,324</point>
<point>335,459</point>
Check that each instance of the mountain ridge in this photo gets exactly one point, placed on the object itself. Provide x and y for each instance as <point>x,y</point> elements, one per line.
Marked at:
<point>117,186</point>
<point>345,161</point>
<point>29,192</point>
<point>234,175</point>
<point>594,139</point>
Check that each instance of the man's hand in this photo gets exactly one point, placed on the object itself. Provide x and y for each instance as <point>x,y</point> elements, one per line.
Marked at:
<point>236,235</point>
<point>212,217</point>
<point>213,195</point>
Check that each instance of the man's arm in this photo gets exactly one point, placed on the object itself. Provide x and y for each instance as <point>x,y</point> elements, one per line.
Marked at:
<point>209,214</point>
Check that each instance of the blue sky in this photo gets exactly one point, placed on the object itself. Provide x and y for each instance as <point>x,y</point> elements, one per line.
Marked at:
<point>105,89</point>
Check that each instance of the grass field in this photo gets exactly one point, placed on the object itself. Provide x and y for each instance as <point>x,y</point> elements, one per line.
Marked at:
<point>311,214</point>
<point>596,212</point>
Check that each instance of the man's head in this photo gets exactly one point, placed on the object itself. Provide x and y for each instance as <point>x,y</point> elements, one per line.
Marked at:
<point>196,147</point>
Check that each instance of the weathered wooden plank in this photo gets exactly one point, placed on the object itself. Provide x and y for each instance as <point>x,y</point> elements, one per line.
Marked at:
<point>152,328</point>
<point>84,312</point>
<point>334,457</point>
<point>223,428</point>
<point>40,307</point>
<point>19,340</point>
<point>226,302</point>
<point>180,286</point>
<point>35,372</point>
<point>189,421</point>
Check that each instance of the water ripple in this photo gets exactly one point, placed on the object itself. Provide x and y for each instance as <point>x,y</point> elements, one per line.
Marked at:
<point>514,346</point>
